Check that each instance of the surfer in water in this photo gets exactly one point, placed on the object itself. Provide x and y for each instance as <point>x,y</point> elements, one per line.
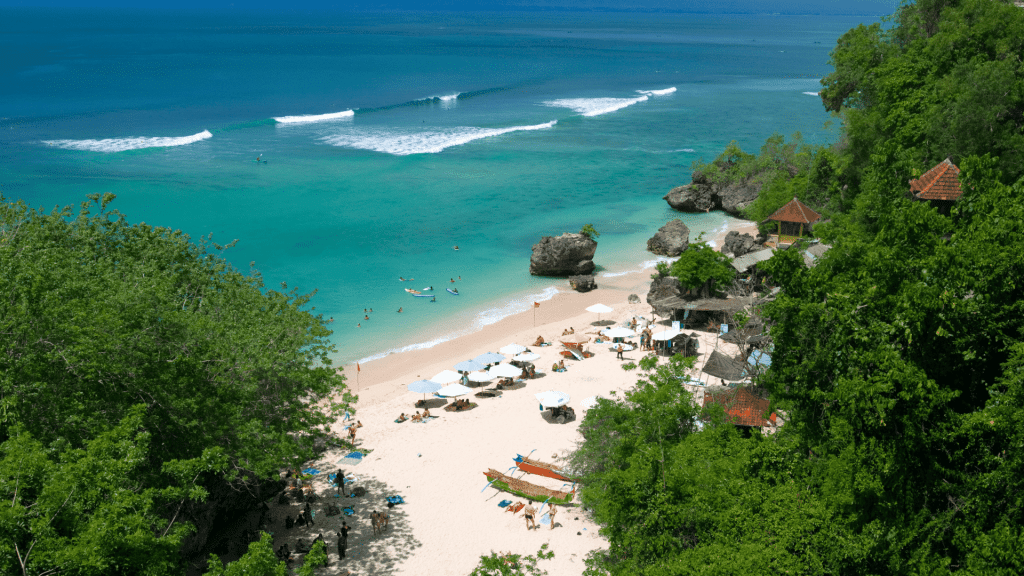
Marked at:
<point>434,299</point>
<point>399,310</point>
<point>455,290</point>
<point>455,248</point>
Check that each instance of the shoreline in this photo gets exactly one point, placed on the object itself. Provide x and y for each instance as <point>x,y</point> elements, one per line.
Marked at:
<point>393,369</point>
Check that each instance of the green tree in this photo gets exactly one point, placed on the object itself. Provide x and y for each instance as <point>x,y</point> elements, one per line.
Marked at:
<point>259,560</point>
<point>702,267</point>
<point>589,231</point>
<point>100,509</point>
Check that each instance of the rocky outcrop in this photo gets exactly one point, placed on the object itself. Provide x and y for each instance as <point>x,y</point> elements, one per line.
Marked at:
<point>737,244</point>
<point>633,299</point>
<point>671,239</point>
<point>703,195</point>
<point>661,290</point>
<point>582,283</point>
<point>565,255</point>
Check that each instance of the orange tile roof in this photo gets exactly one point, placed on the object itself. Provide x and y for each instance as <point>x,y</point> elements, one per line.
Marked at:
<point>795,211</point>
<point>742,407</point>
<point>940,183</point>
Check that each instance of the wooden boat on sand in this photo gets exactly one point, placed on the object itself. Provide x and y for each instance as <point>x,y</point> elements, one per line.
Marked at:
<point>527,490</point>
<point>541,468</point>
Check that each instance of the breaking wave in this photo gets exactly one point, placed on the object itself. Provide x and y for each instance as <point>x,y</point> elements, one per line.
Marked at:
<point>405,142</point>
<point>811,93</point>
<point>307,118</point>
<point>131,143</point>
<point>599,106</point>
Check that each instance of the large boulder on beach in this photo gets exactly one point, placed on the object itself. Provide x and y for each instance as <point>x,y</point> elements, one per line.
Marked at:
<point>583,283</point>
<point>704,194</point>
<point>661,290</point>
<point>690,198</point>
<point>671,239</point>
<point>565,255</point>
<point>737,244</point>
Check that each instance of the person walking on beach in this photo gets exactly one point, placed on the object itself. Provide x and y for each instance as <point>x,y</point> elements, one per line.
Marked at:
<point>530,512</point>
<point>618,351</point>
<point>551,516</point>
<point>352,434</point>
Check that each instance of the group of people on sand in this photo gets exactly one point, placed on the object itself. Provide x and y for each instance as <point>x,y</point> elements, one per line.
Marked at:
<point>416,417</point>
<point>559,366</point>
<point>568,331</point>
<point>530,513</point>
<point>462,405</point>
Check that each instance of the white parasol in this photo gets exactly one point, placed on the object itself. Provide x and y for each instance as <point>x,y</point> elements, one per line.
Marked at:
<point>552,398</point>
<point>504,371</point>
<point>470,366</point>
<point>574,338</point>
<point>424,386</point>
<point>526,357</point>
<point>446,377</point>
<point>665,334</point>
<point>453,390</point>
<point>489,358</point>
<point>513,349</point>
<point>480,377</point>
<point>619,332</point>
<point>599,309</point>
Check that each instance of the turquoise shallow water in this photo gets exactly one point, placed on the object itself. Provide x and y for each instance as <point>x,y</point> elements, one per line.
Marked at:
<point>484,131</point>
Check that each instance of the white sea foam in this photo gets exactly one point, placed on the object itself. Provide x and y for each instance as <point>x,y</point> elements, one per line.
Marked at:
<point>685,150</point>
<point>485,318</point>
<point>645,265</point>
<point>449,97</point>
<point>594,106</point>
<point>664,92</point>
<point>404,142</point>
<point>307,118</point>
<point>811,93</point>
<point>132,143</point>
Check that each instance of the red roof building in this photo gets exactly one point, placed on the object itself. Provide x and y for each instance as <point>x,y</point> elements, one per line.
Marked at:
<point>742,407</point>
<point>796,212</point>
<point>940,183</point>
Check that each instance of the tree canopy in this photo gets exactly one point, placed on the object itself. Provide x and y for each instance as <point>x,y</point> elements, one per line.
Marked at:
<point>138,367</point>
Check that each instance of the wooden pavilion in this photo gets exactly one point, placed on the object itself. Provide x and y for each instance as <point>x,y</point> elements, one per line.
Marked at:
<point>791,219</point>
<point>940,186</point>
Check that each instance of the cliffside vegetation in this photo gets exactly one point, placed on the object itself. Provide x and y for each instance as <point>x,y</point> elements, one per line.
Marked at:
<point>137,370</point>
<point>898,360</point>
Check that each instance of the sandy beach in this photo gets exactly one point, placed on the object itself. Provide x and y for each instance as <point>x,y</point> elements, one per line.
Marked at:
<point>450,517</point>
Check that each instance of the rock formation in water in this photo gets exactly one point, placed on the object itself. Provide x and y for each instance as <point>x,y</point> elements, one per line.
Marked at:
<point>671,239</point>
<point>565,255</point>
<point>583,283</point>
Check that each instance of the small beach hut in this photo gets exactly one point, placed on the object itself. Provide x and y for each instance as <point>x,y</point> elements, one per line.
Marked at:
<point>742,407</point>
<point>791,219</point>
<point>940,186</point>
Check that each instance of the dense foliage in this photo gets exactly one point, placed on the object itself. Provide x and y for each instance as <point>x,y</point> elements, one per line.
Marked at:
<point>137,368</point>
<point>700,267</point>
<point>898,360</point>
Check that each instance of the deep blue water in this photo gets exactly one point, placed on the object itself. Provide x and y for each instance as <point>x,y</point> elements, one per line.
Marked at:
<point>480,130</point>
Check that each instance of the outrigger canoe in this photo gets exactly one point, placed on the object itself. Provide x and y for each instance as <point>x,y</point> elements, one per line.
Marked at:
<point>527,490</point>
<point>450,291</point>
<point>541,468</point>
<point>411,291</point>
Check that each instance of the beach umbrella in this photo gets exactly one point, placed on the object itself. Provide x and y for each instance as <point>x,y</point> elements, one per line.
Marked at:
<point>469,366</point>
<point>489,358</point>
<point>619,332</point>
<point>665,334</point>
<point>453,390</point>
<point>599,309</point>
<point>424,387</point>
<point>589,402</point>
<point>526,357</point>
<point>552,398</point>
<point>480,377</point>
<point>446,377</point>
<point>504,371</point>
<point>575,338</point>
<point>513,349</point>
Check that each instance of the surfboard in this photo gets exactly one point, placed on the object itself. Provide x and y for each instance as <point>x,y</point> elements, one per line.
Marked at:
<point>423,295</point>
<point>450,291</point>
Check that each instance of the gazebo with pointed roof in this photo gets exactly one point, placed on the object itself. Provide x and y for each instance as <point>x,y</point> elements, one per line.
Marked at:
<point>940,185</point>
<point>794,213</point>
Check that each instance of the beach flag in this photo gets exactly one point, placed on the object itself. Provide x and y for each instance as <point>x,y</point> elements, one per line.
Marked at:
<point>536,304</point>
<point>358,369</point>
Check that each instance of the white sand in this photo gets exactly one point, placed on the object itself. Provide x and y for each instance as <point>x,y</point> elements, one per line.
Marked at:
<point>449,518</point>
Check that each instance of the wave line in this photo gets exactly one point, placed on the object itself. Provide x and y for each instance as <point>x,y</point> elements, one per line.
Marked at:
<point>130,143</point>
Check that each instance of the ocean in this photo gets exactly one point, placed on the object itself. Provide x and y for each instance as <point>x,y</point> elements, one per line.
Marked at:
<point>390,138</point>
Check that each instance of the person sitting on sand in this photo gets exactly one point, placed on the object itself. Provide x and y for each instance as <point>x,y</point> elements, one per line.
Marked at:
<point>417,417</point>
<point>402,417</point>
<point>539,341</point>
<point>572,330</point>
<point>533,371</point>
<point>565,332</point>
<point>426,413</point>
<point>561,364</point>
<point>358,424</point>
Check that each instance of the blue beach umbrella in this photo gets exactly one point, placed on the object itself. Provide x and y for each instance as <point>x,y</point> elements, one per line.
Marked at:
<point>470,366</point>
<point>424,387</point>
<point>489,358</point>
